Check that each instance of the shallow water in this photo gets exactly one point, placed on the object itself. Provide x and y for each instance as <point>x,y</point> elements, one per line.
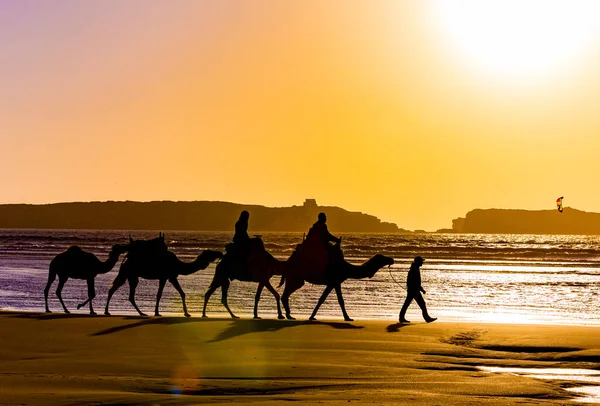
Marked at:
<point>582,376</point>
<point>468,277</point>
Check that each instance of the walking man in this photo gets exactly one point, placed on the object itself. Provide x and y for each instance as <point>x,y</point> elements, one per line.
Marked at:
<point>413,291</point>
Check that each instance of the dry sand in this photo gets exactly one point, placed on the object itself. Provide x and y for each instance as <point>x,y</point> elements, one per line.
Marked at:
<point>77,359</point>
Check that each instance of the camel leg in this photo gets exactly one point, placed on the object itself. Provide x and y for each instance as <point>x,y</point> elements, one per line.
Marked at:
<point>216,283</point>
<point>224,289</point>
<point>338,291</point>
<point>161,286</point>
<point>51,278</point>
<point>133,282</point>
<point>326,292</point>
<point>211,289</point>
<point>175,283</point>
<point>117,283</point>
<point>91,296</point>
<point>274,292</point>
<point>257,298</point>
<point>291,285</point>
<point>61,283</point>
<point>80,305</point>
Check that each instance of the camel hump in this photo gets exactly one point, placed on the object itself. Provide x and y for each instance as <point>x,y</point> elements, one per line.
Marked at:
<point>155,246</point>
<point>76,252</point>
<point>318,256</point>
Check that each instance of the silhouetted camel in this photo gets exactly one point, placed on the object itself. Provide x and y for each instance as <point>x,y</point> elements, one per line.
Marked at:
<point>163,266</point>
<point>78,264</point>
<point>259,267</point>
<point>337,271</point>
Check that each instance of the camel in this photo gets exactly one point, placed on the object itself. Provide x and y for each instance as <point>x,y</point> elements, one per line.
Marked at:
<point>337,271</point>
<point>78,264</point>
<point>259,267</point>
<point>158,265</point>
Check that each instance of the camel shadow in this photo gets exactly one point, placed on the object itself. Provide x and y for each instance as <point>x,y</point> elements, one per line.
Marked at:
<point>147,321</point>
<point>393,328</point>
<point>240,327</point>
<point>237,327</point>
<point>53,316</point>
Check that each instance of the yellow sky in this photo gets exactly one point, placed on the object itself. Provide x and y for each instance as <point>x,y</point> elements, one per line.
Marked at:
<point>371,106</point>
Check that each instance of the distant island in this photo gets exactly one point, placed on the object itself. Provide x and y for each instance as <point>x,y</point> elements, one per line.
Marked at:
<point>195,215</point>
<point>502,221</point>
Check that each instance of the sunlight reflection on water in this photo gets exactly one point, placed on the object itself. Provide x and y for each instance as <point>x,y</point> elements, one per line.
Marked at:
<point>468,277</point>
<point>587,376</point>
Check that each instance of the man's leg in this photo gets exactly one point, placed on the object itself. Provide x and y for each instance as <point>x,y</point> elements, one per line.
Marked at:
<point>409,299</point>
<point>421,302</point>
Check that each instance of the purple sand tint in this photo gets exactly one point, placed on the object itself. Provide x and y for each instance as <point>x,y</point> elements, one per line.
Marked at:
<point>468,277</point>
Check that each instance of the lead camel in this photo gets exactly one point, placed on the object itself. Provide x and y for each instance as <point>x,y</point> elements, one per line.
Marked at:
<point>332,276</point>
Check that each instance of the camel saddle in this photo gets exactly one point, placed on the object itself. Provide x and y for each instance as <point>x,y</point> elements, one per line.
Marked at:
<point>147,250</point>
<point>317,256</point>
<point>245,256</point>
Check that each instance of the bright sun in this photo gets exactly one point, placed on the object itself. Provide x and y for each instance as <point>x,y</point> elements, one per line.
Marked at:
<point>521,39</point>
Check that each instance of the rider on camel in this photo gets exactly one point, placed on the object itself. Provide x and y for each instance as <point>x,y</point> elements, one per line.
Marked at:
<point>317,247</point>
<point>320,232</point>
<point>241,228</point>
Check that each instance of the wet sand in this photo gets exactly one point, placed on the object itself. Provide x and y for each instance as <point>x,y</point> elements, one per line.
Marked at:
<point>79,359</point>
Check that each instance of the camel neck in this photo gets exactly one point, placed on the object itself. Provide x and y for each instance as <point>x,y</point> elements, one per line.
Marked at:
<point>188,268</point>
<point>109,263</point>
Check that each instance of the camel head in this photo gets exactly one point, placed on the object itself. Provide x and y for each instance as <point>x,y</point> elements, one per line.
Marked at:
<point>210,256</point>
<point>118,249</point>
<point>381,260</point>
<point>370,268</point>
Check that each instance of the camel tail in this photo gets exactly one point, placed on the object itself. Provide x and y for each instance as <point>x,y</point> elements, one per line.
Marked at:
<point>282,281</point>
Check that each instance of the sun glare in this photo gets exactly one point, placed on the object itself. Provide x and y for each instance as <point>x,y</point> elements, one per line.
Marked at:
<point>520,39</point>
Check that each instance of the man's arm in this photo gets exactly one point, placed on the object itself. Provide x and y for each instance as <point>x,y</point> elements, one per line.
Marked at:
<point>329,236</point>
<point>333,238</point>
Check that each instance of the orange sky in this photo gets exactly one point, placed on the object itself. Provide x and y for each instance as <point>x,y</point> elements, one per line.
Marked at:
<point>371,106</point>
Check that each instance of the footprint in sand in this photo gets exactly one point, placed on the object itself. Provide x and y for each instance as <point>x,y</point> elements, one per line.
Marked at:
<point>464,339</point>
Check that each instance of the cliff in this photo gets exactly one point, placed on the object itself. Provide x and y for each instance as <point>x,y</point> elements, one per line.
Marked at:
<point>499,221</point>
<point>198,215</point>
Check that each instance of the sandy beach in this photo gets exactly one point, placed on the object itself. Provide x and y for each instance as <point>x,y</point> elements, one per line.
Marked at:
<point>79,359</point>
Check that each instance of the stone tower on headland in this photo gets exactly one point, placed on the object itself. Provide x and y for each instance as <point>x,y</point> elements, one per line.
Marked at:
<point>310,203</point>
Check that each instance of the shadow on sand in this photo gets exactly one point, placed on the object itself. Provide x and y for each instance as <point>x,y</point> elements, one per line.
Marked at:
<point>147,321</point>
<point>393,328</point>
<point>51,316</point>
<point>240,327</point>
<point>237,327</point>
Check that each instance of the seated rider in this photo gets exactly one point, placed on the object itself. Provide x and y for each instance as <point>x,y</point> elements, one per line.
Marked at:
<point>243,246</point>
<point>241,228</point>
<point>320,232</point>
<point>317,242</point>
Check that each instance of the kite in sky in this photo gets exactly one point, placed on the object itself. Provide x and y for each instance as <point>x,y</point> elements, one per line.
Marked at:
<point>559,205</point>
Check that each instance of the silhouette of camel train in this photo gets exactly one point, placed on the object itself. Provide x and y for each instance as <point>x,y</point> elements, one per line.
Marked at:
<point>315,261</point>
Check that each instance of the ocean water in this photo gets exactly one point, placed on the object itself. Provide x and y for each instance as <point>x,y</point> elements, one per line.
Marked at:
<point>468,277</point>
